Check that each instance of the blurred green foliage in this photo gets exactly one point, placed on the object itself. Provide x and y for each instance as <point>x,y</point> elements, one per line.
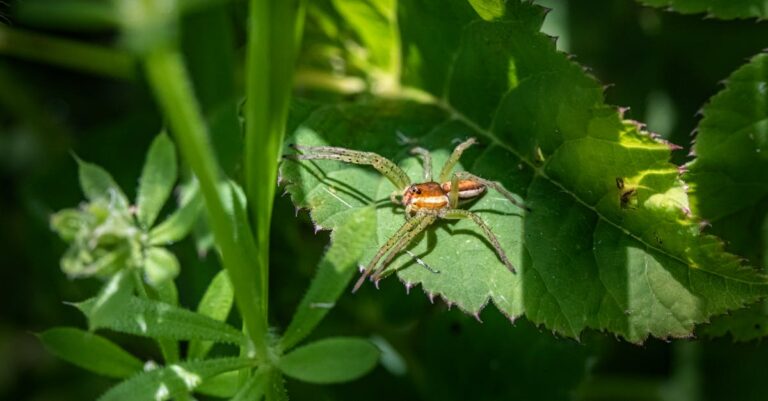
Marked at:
<point>663,66</point>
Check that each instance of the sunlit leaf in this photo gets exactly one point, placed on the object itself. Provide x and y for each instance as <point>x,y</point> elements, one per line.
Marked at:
<point>90,351</point>
<point>374,23</point>
<point>168,382</point>
<point>629,260</point>
<point>333,360</point>
<point>157,179</point>
<point>160,320</point>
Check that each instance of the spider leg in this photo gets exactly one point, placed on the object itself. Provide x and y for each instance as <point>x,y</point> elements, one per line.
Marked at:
<point>493,184</point>
<point>401,244</point>
<point>451,162</point>
<point>392,241</point>
<point>457,214</point>
<point>386,167</point>
<point>453,196</point>
<point>426,160</point>
<point>393,197</point>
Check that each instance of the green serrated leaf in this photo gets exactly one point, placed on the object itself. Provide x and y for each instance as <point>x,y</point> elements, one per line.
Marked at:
<point>157,179</point>
<point>349,242</point>
<point>160,266</point>
<point>729,179</point>
<point>332,360</point>
<point>169,382</point>
<point>90,351</point>
<point>628,260</point>
<point>160,320</point>
<point>98,184</point>
<point>724,9</point>
<point>216,304</point>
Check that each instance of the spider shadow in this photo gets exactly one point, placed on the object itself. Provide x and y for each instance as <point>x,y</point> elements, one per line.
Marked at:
<point>341,186</point>
<point>415,259</point>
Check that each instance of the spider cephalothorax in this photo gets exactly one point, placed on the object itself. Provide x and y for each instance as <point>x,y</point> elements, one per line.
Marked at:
<point>424,202</point>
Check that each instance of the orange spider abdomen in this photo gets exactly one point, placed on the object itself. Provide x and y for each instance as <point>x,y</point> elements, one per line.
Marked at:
<point>468,189</point>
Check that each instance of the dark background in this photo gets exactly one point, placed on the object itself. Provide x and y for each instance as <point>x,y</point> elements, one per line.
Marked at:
<point>662,66</point>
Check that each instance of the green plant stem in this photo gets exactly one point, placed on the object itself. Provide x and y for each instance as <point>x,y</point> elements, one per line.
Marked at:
<point>170,81</point>
<point>273,31</point>
<point>67,53</point>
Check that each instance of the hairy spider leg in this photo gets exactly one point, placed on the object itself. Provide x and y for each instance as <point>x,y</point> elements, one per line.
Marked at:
<point>403,243</point>
<point>457,214</point>
<point>403,230</point>
<point>493,184</point>
<point>455,156</point>
<point>386,167</point>
<point>426,160</point>
<point>453,196</point>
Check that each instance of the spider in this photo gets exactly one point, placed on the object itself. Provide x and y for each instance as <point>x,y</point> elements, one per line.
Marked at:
<point>424,202</point>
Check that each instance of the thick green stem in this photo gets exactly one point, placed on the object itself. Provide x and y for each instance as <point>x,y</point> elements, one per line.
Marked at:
<point>273,31</point>
<point>169,79</point>
<point>67,53</point>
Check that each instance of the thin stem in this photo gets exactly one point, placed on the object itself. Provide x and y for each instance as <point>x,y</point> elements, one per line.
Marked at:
<point>67,53</point>
<point>170,81</point>
<point>273,31</point>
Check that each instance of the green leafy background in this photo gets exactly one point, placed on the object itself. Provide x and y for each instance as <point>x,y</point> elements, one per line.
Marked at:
<point>585,260</point>
<point>662,65</point>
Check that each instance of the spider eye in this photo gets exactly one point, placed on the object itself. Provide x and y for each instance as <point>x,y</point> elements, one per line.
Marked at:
<point>417,191</point>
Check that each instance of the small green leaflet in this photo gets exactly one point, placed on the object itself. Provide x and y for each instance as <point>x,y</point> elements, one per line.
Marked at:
<point>332,360</point>
<point>90,351</point>
<point>157,179</point>
<point>216,303</point>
